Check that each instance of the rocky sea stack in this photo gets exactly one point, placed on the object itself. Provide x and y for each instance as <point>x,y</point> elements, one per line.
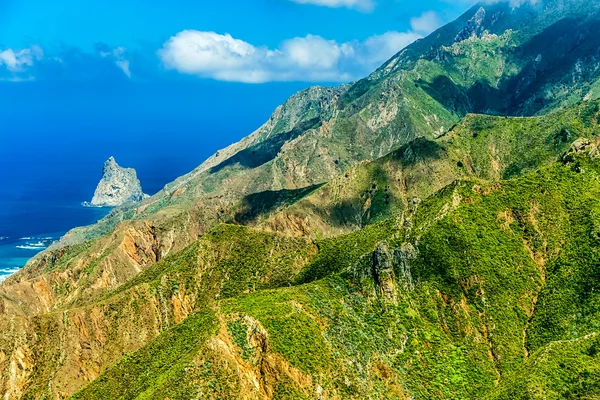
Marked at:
<point>429,232</point>
<point>118,186</point>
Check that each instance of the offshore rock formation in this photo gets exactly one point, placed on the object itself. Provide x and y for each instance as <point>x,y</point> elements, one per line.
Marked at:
<point>485,247</point>
<point>118,186</point>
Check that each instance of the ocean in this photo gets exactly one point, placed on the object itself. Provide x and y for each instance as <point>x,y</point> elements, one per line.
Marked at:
<point>55,137</point>
<point>34,225</point>
<point>46,203</point>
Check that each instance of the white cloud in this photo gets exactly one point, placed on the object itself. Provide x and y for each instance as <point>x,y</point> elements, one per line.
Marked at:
<point>362,5</point>
<point>377,49</point>
<point>19,60</point>
<point>513,3</point>
<point>302,51</point>
<point>310,58</point>
<point>123,65</point>
<point>72,63</point>
<point>426,23</point>
<point>119,55</point>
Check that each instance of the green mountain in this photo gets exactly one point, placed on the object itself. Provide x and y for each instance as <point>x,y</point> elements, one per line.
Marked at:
<point>430,231</point>
<point>454,298</point>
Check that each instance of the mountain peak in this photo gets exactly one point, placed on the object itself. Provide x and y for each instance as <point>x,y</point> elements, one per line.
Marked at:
<point>473,25</point>
<point>110,163</point>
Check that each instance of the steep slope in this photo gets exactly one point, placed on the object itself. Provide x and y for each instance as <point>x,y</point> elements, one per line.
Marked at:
<point>502,59</point>
<point>566,369</point>
<point>480,146</point>
<point>494,59</point>
<point>112,288</point>
<point>445,307</point>
<point>55,353</point>
<point>98,325</point>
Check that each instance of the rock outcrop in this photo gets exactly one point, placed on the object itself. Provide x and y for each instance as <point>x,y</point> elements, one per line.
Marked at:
<point>417,275</point>
<point>118,186</point>
<point>383,272</point>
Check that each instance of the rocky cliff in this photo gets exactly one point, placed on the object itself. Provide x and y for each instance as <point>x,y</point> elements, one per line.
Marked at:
<point>495,59</point>
<point>118,186</point>
<point>461,263</point>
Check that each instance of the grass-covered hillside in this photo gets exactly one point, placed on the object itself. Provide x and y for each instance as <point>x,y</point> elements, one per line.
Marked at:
<point>485,290</point>
<point>429,232</point>
<point>486,234</point>
<point>480,146</point>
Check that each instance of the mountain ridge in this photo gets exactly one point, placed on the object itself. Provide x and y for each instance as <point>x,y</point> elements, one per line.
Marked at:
<point>387,113</point>
<point>378,239</point>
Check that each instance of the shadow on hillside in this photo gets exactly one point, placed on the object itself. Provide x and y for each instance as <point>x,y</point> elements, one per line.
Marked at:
<point>267,150</point>
<point>452,96</point>
<point>481,97</point>
<point>374,199</point>
<point>257,204</point>
<point>371,202</point>
<point>419,150</point>
<point>572,42</point>
<point>355,92</point>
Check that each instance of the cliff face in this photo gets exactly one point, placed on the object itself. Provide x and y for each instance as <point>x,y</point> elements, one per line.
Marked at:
<point>493,60</point>
<point>487,263</point>
<point>118,186</point>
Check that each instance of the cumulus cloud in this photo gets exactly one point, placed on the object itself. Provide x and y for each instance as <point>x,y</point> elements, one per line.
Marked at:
<point>302,51</point>
<point>310,58</point>
<point>19,60</point>
<point>362,5</point>
<point>426,23</point>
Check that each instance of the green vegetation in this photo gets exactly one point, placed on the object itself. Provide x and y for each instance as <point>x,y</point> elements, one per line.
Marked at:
<point>227,261</point>
<point>339,253</point>
<point>563,370</point>
<point>401,245</point>
<point>156,368</point>
<point>502,273</point>
<point>487,256</point>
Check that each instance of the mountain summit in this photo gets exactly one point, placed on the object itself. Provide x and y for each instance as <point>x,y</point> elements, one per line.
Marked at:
<point>118,186</point>
<point>429,232</point>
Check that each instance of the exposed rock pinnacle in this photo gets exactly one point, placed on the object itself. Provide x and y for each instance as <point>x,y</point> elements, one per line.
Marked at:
<point>118,186</point>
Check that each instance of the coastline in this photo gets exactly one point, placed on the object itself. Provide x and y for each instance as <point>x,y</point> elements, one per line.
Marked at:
<point>87,204</point>
<point>20,241</point>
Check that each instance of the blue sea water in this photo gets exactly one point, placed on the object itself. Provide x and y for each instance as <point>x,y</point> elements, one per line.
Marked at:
<point>41,195</point>
<point>19,247</point>
<point>45,183</point>
<point>41,201</point>
<point>55,137</point>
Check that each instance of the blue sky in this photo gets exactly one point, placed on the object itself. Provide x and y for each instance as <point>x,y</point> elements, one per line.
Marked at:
<point>161,85</point>
<point>231,40</point>
<point>261,22</point>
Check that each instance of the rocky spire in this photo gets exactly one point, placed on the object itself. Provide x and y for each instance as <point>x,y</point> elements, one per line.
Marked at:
<point>118,186</point>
